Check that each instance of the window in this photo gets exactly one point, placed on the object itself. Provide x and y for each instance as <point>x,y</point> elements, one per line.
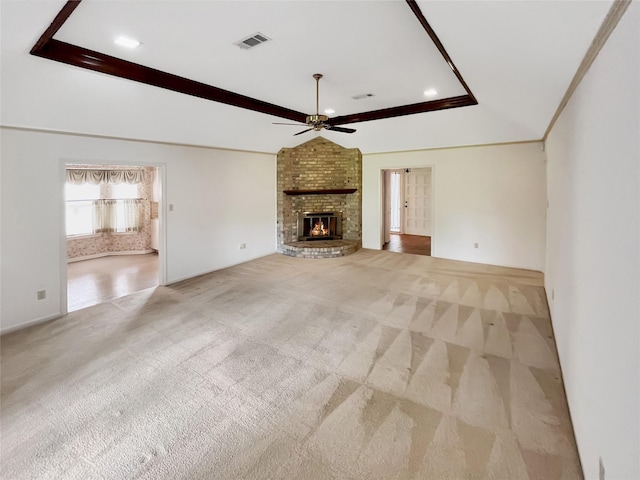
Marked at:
<point>395,202</point>
<point>80,200</point>
<point>124,190</point>
<point>103,207</point>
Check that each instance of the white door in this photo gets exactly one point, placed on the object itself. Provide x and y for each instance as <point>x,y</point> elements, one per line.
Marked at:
<point>417,202</point>
<point>386,182</point>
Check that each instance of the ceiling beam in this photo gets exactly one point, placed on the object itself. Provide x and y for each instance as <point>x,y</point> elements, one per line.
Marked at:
<point>431,106</point>
<point>52,49</point>
<point>64,13</point>
<point>436,41</point>
<point>100,62</point>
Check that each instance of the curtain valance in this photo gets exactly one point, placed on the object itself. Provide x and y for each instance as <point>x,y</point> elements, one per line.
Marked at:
<point>80,176</point>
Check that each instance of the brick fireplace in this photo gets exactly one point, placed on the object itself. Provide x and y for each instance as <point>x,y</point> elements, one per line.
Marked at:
<point>323,181</point>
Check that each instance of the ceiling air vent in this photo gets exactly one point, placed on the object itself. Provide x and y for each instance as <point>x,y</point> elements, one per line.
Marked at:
<point>362,95</point>
<point>252,41</point>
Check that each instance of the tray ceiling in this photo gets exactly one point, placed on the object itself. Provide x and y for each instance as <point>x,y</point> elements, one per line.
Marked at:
<point>517,57</point>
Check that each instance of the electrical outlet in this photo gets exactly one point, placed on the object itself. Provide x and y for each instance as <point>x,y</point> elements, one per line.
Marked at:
<point>42,294</point>
<point>243,246</point>
<point>601,469</point>
<point>475,245</point>
<point>171,207</point>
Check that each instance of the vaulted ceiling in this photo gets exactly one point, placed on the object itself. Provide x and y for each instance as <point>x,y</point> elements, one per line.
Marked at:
<point>514,58</point>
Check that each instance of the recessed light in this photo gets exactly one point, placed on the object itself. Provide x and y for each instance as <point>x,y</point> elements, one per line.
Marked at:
<point>430,93</point>
<point>329,111</point>
<point>127,42</point>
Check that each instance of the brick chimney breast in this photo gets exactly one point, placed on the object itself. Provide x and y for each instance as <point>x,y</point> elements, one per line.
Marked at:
<point>319,164</point>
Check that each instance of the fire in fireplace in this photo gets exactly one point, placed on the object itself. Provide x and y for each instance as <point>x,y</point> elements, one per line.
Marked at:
<point>318,230</point>
<point>319,225</point>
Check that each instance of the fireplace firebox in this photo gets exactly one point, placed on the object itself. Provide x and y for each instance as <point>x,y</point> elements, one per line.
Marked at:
<point>319,225</point>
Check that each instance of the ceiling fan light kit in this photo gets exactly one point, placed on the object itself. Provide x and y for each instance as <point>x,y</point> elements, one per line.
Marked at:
<point>318,122</point>
<point>316,118</point>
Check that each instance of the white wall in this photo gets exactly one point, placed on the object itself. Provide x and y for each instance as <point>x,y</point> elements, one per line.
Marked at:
<point>221,198</point>
<point>593,260</point>
<point>492,195</point>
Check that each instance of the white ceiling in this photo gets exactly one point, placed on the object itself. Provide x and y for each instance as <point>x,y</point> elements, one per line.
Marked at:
<point>518,58</point>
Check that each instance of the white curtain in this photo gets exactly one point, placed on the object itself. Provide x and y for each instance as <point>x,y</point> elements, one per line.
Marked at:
<point>105,215</point>
<point>130,214</point>
<point>118,216</point>
<point>80,176</point>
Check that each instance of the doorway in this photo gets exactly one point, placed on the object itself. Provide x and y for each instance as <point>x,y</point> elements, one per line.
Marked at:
<point>408,210</point>
<point>113,240</point>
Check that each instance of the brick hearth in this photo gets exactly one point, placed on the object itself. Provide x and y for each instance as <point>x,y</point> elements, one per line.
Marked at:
<point>320,248</point>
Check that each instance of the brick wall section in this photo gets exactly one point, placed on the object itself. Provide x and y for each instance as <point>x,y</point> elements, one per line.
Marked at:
<point>314,165</point>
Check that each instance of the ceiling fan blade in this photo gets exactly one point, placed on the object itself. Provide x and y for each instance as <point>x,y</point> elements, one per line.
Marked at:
<point>297,124</point>
<point>304,131</point>
<point>340,129</point>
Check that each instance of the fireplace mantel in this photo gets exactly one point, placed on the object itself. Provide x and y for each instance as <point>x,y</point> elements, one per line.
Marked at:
<point>327,191</point>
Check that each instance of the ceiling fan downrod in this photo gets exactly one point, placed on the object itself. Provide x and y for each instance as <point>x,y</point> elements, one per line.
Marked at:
<point>316,121</point>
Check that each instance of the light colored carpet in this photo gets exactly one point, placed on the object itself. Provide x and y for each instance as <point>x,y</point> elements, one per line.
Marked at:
<point>373,366</point>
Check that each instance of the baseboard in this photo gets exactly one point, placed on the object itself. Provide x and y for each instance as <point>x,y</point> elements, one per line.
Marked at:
<point>108,254</point>
<point>30,323</point>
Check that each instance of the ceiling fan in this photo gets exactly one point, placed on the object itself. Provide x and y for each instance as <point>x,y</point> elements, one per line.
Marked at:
<point>317,122</point>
